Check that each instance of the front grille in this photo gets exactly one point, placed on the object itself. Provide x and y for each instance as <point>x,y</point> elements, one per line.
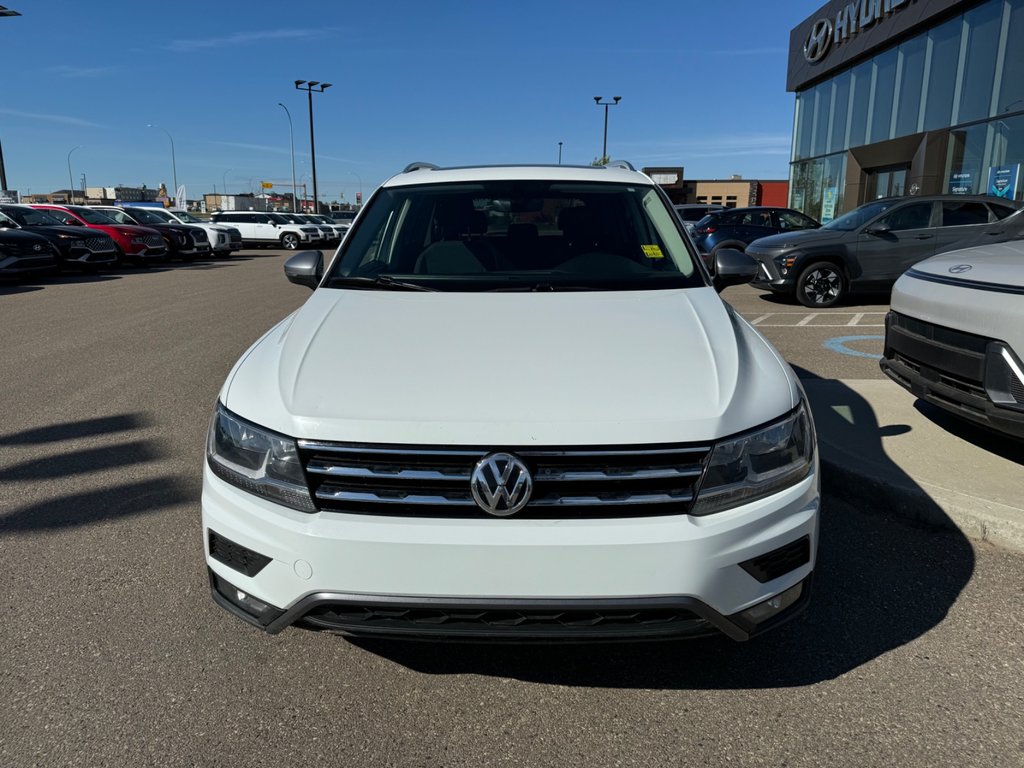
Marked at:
<point>574,482</point>
<point>779,561</point>
<point>153,241</point>
<point>199,237</point>
<point>513,622</point>
<point>233,555</point>
<point>937,352</point>
<point>99,244</point>
<point>235,236</point>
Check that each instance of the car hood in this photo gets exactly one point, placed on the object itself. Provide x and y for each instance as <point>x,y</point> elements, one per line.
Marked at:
<point>21,237</point>
<point>54,230</point>
<point>1001,264</point>
<point>511,369</point>
<point>797,239</point>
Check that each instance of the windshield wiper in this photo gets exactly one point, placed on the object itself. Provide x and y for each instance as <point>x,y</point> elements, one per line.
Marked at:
<point>383,282</point>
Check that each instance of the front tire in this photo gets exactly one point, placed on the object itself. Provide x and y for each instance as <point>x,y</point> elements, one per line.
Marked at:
<point>820,285</point>
<point>289,241</point>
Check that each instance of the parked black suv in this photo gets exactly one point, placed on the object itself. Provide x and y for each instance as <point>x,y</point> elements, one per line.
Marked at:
<point>24,254</point>
<point>89,250</point>
<point>868,248</point>
<point>738,227</point>
<point>184,241</point>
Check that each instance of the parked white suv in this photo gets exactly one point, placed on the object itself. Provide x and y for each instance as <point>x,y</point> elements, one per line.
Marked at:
<point>268,229</point>
<point>541,424</point>
<point>955,334</point>
<point>224,240</point>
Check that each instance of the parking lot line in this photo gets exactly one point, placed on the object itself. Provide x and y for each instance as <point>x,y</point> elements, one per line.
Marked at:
<point>807,319</point>
<point>761,319</point>
<point>856,318</point>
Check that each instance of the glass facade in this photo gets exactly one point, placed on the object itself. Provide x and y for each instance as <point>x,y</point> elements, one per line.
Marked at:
<point>965,75</point>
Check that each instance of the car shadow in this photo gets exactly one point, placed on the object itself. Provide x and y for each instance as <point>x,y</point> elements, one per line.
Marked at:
<point>12,289</point>
<point>855,300</point>
<point>993,442</point>
<point>881,581</point>
<point>59,464</point>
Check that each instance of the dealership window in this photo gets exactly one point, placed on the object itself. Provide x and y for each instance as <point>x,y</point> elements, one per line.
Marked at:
<point>1011,90</point>
<point>908,100</point>
<point>822,104</point>
<point>884,87</point>
<point>965,160</point>
<point>840,104</point>
<point>944,42</point>
<point>982,27</point>
<point>860,84</point>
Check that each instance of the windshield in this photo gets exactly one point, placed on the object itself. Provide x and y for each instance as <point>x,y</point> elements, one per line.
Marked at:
<point>95,217</point>
<point>519,235</point>
<point>30,217</point>
<point>162,216</point>
<point>143,216</point>
<point>7,221</point>
<point>859,216</point>
<point>280,218</point>
<point>185,216</point>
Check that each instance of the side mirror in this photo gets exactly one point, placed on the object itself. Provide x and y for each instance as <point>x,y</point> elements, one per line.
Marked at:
<point>733,267</point>
<point>877,230</point>
<point>305,268</point>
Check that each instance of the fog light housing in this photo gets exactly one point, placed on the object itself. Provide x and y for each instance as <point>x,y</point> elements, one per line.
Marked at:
<point>243,601</point>
<point>773,605</point>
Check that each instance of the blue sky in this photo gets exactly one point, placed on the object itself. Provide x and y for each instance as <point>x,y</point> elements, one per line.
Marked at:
<point>453,83</point>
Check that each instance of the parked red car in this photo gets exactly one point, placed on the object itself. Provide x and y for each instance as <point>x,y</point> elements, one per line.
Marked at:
<point>137,244</point>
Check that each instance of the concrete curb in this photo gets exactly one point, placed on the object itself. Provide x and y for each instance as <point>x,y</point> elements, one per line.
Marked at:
<point>881,450</point>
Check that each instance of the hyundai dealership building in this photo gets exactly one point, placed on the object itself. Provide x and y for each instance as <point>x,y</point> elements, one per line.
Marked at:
<point>906,97</point>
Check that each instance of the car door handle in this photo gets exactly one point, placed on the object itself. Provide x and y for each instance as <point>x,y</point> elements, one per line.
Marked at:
<point>923,237</point>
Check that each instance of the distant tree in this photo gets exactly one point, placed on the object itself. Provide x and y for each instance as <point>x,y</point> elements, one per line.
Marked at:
<point>601,160</point>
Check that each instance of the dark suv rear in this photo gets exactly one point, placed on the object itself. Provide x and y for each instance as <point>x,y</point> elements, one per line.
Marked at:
<point>738,227</point>
<point>868,248</point>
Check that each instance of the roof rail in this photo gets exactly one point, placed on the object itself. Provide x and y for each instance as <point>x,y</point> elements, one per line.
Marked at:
<point>420,166</point>
<point>620,164</point>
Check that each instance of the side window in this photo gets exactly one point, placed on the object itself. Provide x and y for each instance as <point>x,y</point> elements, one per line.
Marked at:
<point>62,217</point>
<point>956,214</point>
<point>1000,212</point>
<point>731,220</point>
<point>261,219</point>
<point>913,216</point>
<point>793,220</point>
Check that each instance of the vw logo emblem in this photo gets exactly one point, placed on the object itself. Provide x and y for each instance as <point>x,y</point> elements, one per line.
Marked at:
<point>959,269</point>
<point>818,40</point>
<point>501,484</point>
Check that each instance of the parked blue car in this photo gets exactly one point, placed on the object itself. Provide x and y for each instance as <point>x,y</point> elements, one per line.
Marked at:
<point>738,227</point>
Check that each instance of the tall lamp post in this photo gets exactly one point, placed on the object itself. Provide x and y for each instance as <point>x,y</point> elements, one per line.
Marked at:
<point>614,102</point>
<point>559,153</point>
<point>311,87</point>
<point>291,141</point>
<point>71,179</point>
<point>174,163</point>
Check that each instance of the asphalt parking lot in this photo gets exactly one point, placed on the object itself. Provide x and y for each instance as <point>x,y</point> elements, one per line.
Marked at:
<point>114,654</point>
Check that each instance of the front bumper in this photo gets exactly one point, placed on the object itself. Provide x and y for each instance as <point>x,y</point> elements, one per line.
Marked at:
<point>768,276</point>
<point>969,375</point>
<point>515,580</point>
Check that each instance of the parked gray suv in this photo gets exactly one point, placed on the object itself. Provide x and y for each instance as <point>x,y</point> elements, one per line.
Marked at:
<point>868,248</point>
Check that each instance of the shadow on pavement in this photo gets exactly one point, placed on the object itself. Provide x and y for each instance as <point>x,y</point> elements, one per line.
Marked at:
<point>60,466</point>
<point>879,584</point>
<point>857,299</point>
<point>7,289</point>
<point>1002,446</point>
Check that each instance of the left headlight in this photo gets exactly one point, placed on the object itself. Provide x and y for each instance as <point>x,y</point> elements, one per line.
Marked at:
<point>757,464</point>
<point>257,460</point>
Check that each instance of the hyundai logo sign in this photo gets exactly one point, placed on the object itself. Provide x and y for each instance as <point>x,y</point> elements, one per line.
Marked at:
<point>850,19</point>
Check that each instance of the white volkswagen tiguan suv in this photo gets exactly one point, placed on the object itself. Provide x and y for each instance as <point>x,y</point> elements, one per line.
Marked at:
<point>514,407</point>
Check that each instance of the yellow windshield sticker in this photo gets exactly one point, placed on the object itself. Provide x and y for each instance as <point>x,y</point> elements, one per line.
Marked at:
<point>653,252</point>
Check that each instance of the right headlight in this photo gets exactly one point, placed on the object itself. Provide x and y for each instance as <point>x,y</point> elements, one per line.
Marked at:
<point>257,460</point>
<point>757,464</point>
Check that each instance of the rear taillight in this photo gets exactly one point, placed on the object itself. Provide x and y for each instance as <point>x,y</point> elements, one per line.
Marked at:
<point>706,230</point>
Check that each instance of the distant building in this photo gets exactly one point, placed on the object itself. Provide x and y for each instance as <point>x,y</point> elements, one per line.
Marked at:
<point>735,192</point>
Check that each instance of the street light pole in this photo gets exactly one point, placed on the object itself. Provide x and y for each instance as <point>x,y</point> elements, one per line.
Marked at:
<point>606,104</point>
<point>310,87</point>
<point>291,141</point>
<point>174,163</point>
<point>71,179</point>
<point>559,153</point>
